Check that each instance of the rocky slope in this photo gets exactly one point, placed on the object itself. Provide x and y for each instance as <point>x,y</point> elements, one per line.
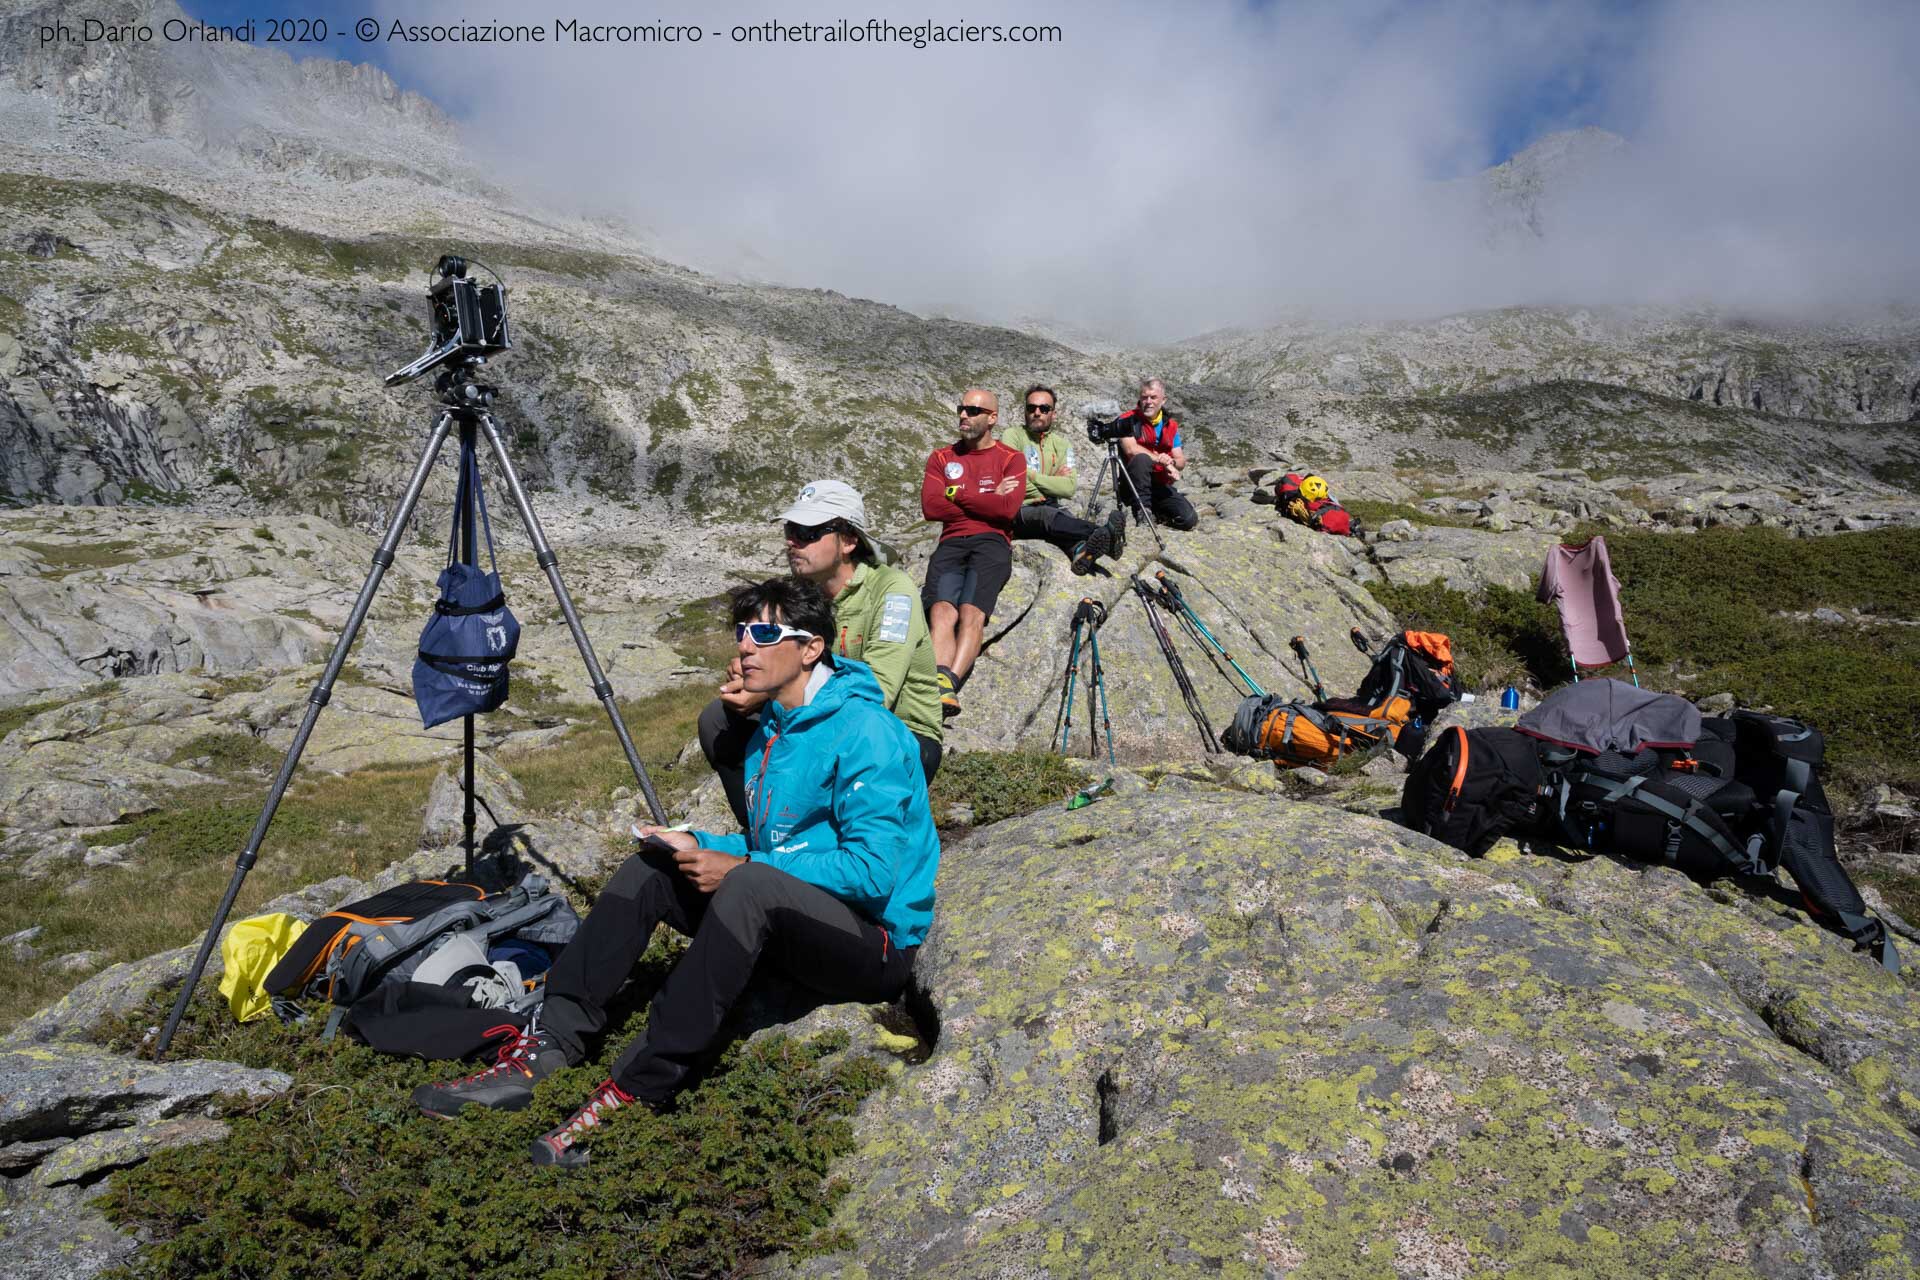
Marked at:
<point>1198,1032</point>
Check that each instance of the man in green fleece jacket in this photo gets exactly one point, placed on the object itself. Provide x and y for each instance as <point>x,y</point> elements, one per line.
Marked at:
<point>878,618</point>
<point>1050,484</point>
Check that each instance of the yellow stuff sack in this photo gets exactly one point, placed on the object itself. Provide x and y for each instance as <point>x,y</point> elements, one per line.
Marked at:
<point>249,952</point>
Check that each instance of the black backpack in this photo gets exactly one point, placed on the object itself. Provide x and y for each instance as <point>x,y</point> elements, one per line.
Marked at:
<point>1792,825</point>
<point>1742,800</point>
<point>1474,786</point>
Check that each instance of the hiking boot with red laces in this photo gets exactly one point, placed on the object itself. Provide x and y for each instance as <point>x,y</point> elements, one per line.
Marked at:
<point>558,1147</point>
<point>528,1057</point>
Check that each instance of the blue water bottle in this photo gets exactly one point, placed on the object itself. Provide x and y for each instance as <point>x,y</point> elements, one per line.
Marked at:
<point>1510,699</point>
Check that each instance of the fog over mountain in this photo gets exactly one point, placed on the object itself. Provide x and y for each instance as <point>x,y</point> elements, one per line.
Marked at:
<point>1164,170</point>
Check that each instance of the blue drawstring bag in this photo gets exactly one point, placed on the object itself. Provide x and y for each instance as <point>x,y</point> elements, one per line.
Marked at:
<point>464,650</point>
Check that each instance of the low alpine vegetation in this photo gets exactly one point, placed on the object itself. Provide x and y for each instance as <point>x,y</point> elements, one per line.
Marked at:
<point>308,1182</point>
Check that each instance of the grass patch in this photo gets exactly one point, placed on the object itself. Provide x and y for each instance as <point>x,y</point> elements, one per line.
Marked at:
<point>701,631</point>
<point>587,765</point>
<point>230,755</point>
<point>306,1182</point>
<point>63,558</point>
<point>1373,513</point>
<point>100,339</point>
<point>1710,612</point>
<point>12,718</point>
<point>325,826</point>
<point>999,784</point>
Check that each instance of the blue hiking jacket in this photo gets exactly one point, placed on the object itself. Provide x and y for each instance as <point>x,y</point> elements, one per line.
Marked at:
<point>835,797</point>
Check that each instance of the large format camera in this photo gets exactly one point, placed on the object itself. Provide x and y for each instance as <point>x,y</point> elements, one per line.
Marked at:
<point>1103,422</point>
<point>468,319</point>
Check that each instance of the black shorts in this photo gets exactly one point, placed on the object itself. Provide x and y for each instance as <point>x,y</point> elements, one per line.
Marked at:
<point>970,570</point>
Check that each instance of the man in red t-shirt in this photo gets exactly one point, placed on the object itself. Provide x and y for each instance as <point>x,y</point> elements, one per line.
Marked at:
<point>974,488</point>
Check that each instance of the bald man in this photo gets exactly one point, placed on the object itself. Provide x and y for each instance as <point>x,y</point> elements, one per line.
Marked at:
<point>973,488</point>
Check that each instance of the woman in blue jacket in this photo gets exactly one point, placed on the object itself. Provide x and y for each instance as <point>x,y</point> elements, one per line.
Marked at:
<point>833,879</point>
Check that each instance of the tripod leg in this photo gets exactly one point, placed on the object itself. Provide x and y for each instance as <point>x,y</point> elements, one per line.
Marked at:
<point>1122,476</point>
<point>547,560</point>
<point>318,699</point>
<point>1093,495</point>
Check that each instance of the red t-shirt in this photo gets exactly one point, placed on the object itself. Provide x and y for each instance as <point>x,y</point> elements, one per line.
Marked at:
<point>958,489</point>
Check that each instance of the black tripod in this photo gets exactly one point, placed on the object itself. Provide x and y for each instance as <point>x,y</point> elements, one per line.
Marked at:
<point>1121,476</point>
<point>465,402</point>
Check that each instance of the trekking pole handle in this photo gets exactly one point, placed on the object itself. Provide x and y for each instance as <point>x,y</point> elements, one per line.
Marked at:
<point>1360,640</point>
<point>1299,645</point>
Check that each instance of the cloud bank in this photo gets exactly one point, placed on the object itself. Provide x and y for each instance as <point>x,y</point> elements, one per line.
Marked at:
<point>1167,169</point>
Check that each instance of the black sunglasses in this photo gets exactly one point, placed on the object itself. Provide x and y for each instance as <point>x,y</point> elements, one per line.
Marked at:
<point>805,533</point>
<point>972,410</point>
<point>1039,408</point>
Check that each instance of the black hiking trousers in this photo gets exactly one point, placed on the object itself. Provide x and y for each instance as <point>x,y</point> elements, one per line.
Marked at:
<point>724,734</point>
<point>1170,506</point>
<point>1051,521</point>
<point>814,937</point>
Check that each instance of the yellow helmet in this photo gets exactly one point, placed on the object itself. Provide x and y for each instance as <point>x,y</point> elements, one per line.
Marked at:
<point>1313,489</point>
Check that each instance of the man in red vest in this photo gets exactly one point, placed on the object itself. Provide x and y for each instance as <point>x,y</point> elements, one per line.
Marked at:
<point>1154,458</point>
<point>974,488</point>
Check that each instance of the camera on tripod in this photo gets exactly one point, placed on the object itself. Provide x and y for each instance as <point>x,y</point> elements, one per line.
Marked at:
<point>1103,422</point>
<point>469,320</point>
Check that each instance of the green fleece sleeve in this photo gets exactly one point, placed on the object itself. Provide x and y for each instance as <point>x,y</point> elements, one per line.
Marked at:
<point>1060,487</point>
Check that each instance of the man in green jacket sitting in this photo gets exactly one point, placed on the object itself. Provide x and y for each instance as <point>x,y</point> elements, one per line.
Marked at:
<point>878,619</point>
<point>1050,484</point>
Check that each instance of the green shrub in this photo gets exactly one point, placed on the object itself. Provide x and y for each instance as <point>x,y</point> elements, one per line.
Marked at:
<point>310,1184</point>
<point>1000,784</point>
<point>1500,636</point>
<point>229,754</point>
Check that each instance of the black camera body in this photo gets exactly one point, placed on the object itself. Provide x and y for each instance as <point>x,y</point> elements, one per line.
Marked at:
<point>468,319</point>
<point>1101,430</point>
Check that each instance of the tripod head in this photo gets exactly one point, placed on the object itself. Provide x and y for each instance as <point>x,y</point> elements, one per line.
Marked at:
<point>458,389</point>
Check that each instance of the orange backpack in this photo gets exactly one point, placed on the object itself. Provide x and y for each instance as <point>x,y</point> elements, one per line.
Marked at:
<point>1410,681</point>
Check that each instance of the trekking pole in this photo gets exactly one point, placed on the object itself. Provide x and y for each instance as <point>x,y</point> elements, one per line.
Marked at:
<point>1299,645</point>
<point>1065,711</point>
<point>1193,633</point>
<point>1099,685</point>
<point>1172,588</point>
<point>1360,641</point>
<point>1174,664</point>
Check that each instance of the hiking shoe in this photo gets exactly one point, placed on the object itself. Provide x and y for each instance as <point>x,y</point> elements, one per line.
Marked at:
<point>1116,541</point>
<point>558,1147</point>
<point>949,692</point>
<point>1090,549</point>
<point>528,1057</point>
